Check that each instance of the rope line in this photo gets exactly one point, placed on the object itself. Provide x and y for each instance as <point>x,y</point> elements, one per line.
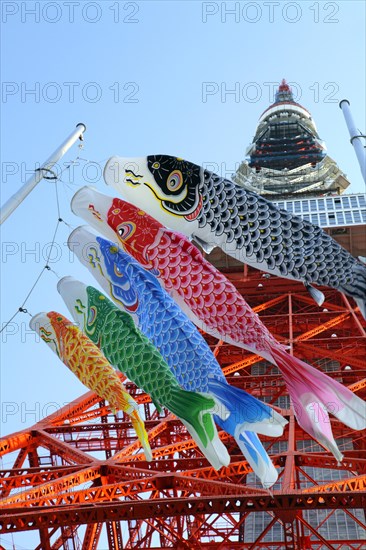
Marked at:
<point>98,162</point>
<point>57,178</point>
<point>46,267</point>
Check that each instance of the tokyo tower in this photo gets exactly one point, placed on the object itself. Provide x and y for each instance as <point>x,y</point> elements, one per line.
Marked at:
<point>78,476</point>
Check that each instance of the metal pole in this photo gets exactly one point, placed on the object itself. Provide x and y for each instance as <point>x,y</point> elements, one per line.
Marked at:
<point>40,173</point>
<point>356,136</point>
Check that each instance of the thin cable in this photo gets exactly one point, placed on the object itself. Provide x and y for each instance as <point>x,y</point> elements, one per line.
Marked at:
<point>55,272</point>
<point>3,541</point>
<point>67,224</point>
<point>10,320</point>
<point>45,267</point>
<point>21,309</point>
<point>94,161</point>
<point>98,162</point>
<point>67,168</point>
<point>58,204</point>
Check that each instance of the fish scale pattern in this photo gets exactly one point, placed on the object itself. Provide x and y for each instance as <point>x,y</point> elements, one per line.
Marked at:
<point>217,212</point>
<point>208,293</point>
<point>179,342</point>
<point>158,320</point>
<point>91,367</point>
<point>164,323</point>
<point>129,350</point>
<point>284,244</point>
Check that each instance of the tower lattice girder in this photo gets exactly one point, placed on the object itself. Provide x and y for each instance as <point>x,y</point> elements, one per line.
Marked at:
<point>57,484</point>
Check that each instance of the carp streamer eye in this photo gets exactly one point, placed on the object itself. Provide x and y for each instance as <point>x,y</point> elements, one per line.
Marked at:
<point>117,271</point>
<point>156,165</point>
<point>92,315</point>
<point>175,180</point>
<point>125,230</point>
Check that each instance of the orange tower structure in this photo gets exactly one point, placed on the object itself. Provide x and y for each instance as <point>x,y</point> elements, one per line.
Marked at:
<point>80,466</point>
<point>79,477</point>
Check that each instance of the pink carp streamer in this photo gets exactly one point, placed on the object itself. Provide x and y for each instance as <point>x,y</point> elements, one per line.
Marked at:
<point>213,303</point>
<point>90,366</point>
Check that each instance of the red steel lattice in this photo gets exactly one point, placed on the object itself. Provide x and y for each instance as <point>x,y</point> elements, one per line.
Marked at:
<point>56,483</point>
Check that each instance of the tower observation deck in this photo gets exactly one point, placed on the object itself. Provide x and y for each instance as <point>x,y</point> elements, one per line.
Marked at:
<point>287,163</point>
<point>287,155</point>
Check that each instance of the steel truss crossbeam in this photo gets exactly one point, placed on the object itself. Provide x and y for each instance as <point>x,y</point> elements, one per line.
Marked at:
<point>178,497</point>
<point>25,519</point>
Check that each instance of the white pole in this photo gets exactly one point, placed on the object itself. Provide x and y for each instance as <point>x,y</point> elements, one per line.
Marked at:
<point>356,136</point>
<point>41,172</point>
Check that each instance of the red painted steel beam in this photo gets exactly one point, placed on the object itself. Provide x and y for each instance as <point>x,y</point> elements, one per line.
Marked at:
<point>127,475</point>
<point>18,519</point>
<point>46,492</point>
<point>357,483</point>
<point>92,536</point>
<point>14,442</point>
<point>15,479</point>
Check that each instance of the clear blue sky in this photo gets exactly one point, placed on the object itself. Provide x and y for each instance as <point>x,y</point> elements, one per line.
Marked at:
<point>145,77</point>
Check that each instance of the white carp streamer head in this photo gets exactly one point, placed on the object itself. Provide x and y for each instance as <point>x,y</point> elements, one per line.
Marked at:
<point>167,187</point>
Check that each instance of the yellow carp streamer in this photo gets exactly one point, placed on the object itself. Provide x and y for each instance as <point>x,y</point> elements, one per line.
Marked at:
<point>90,366</point>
